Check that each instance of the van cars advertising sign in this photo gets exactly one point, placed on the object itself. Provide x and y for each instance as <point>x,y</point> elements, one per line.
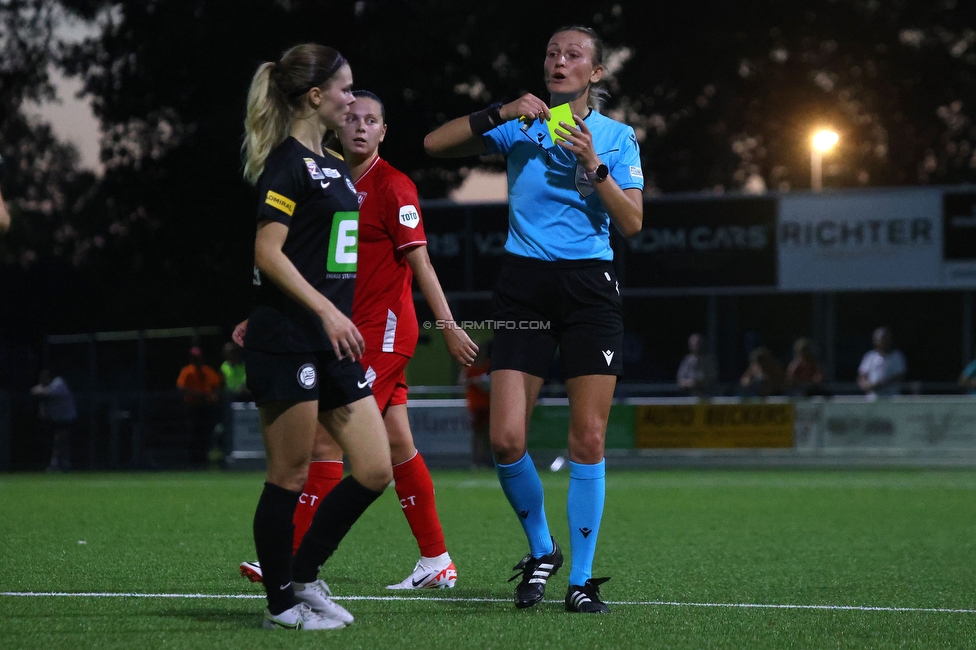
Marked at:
<point>714,242</point>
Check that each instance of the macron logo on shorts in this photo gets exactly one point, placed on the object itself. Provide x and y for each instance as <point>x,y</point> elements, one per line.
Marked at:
<point>608,355</point>
<point>306,376</point>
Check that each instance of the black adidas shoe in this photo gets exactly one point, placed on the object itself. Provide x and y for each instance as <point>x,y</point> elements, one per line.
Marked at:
<point>586,599</point>
<point>535,572</point>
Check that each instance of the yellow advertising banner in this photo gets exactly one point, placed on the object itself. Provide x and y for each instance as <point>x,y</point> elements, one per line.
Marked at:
<point>714,426</point>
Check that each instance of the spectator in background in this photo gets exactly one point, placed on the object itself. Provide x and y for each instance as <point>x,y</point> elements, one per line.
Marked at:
<point>477,393</point>
<point>235,390</point>
<point>803,374</point>
<point>200,385</point>
<point>57,413</point>
<point>235,379</point>
<point>764,376</point>
<point>883,368</point>
<point>698,371</point>
<point>967,379</point>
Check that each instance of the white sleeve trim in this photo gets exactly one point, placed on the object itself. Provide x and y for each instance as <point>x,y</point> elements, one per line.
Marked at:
<point>417,242</point>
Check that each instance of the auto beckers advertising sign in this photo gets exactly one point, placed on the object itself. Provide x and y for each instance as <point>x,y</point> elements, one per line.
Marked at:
<point>714,425</point>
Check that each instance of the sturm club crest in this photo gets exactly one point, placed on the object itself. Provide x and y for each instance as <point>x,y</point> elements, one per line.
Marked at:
<point>306,376</point>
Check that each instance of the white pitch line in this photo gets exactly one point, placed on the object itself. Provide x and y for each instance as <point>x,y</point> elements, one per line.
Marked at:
<point>646,603</point>
<point>857,608</point>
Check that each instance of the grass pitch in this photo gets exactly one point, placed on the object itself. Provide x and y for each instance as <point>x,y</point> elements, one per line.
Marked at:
<point>699,559</point>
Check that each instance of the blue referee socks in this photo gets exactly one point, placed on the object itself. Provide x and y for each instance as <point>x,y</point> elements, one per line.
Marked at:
<point>521,485</point>
<point>584,507</point>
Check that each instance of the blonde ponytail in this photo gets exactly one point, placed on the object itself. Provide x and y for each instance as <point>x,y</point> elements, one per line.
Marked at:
<point>277,91</point>
<point>267,123</point>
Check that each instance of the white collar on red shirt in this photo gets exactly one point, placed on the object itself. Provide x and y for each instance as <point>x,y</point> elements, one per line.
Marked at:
<point>376,161</point>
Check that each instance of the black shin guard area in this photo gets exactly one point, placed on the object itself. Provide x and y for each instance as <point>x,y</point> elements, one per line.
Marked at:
<point>273,532</point>
<point>337,513</point>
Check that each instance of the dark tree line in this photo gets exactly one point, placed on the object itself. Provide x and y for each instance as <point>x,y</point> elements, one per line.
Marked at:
<point>723,95</point>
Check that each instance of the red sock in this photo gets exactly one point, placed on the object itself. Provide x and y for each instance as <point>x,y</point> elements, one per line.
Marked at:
<point>323,475</point>
<point>415,489</point>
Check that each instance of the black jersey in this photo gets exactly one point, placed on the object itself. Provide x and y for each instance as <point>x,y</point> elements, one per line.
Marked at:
<point>314,196</point>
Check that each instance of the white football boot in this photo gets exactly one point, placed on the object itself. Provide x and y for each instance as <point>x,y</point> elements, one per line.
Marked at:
<point>300,617</point>
<point>318,596</point>
<point>430,573</point>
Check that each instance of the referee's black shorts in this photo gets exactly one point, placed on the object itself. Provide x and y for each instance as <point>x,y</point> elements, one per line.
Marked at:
<point>572,305</point>
<point>304,377</point>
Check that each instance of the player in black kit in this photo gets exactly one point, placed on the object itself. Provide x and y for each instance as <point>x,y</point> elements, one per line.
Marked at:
<point>301,348</point>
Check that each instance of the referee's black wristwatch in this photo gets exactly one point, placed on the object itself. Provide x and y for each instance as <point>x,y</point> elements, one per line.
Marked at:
<point>599,174</point>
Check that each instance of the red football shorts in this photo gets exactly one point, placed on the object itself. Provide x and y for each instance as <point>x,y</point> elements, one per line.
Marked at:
<point>385,374</point>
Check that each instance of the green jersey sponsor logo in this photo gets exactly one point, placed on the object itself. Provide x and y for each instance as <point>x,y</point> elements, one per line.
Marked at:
<point>344,243</point>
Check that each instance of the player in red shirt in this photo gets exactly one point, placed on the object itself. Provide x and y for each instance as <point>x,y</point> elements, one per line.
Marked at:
<point>392,250</point>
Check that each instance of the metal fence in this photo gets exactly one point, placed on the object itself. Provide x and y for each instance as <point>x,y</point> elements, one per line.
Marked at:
<point>152,430</point>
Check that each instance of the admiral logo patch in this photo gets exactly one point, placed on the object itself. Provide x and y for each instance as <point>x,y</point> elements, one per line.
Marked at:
<point>313,169</point>
<point>283,203</point>
<point>409,216</point>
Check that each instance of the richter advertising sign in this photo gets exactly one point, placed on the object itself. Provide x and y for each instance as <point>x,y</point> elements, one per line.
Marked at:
<point>861,241</point>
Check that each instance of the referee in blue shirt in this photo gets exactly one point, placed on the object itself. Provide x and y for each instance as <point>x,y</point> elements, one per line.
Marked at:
<point>557,289</point>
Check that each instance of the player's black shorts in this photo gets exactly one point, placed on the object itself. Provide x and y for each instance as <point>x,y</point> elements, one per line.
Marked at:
<point>570,304</point>
<point>304,377</point>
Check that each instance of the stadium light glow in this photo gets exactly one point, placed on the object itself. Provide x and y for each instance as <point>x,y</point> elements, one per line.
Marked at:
<point>823,141</point>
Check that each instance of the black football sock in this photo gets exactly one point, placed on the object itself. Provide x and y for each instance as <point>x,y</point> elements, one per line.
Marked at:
<point>273,531</point>
<point>337,513</point>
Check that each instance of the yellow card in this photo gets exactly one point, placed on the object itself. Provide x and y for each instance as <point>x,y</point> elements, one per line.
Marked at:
<point>561,113</point>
